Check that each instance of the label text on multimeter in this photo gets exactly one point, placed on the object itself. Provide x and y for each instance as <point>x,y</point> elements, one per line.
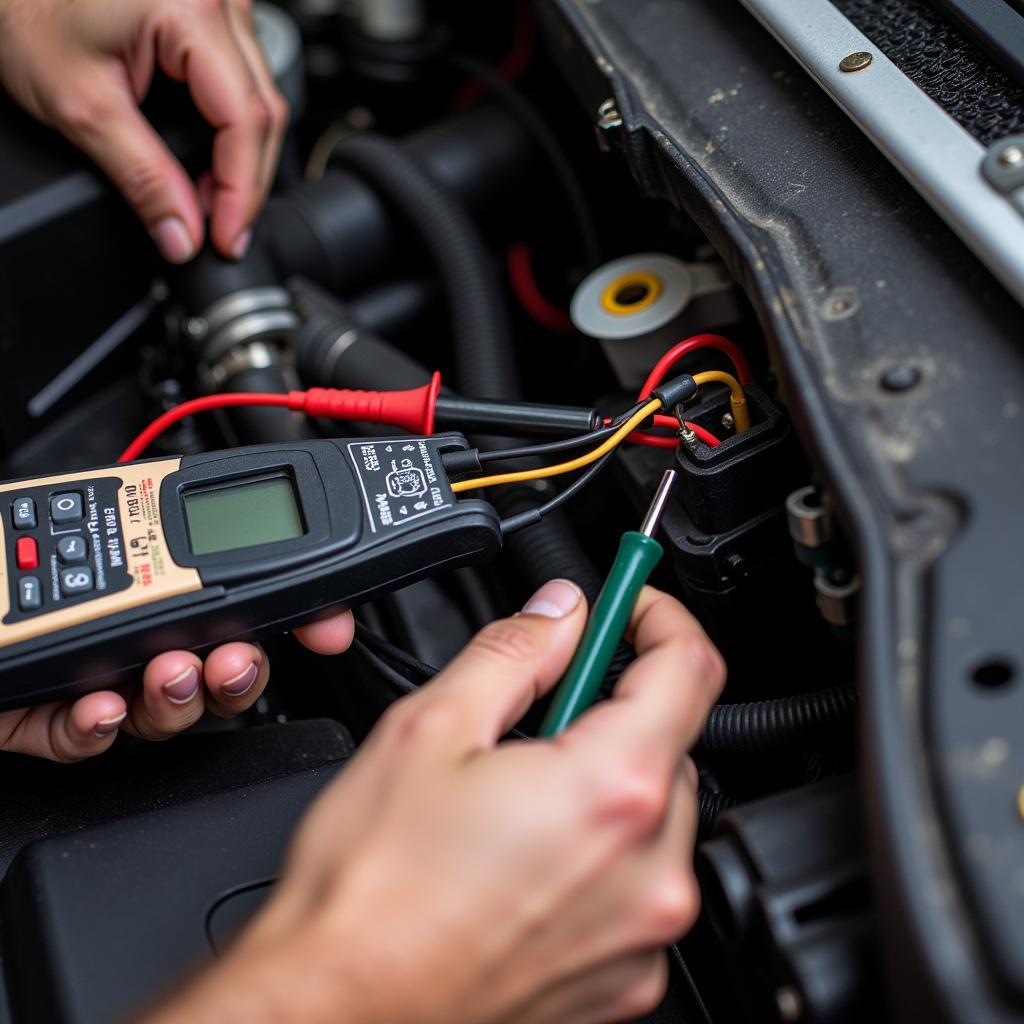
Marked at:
<point>398,480</point>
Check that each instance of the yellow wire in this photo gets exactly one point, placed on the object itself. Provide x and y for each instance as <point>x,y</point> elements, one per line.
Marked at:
<point>541,472</point>
<point>737,399</point>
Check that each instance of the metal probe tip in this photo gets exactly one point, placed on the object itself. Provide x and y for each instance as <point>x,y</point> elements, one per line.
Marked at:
<point>653,518</point>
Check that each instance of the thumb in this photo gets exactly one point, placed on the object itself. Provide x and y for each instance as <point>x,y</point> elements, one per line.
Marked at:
<point>103,119</point>
<point>505,668</point>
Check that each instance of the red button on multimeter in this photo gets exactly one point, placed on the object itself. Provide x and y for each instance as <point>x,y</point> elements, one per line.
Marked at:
<point>28,553</point>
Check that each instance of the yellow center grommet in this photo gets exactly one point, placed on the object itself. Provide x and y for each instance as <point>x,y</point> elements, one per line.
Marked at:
<point>631,292</point>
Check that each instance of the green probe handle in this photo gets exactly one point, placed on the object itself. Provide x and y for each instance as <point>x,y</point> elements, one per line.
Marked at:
<point>637,557</point>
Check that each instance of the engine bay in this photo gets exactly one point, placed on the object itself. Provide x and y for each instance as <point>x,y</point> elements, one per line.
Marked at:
<point>515,222</point>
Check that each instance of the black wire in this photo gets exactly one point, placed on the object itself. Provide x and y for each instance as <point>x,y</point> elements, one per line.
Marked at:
<point>377,652</point>
<point>534,515</point>
<point>565,444</point>
<point>385,649</point>
<point>548,143</point>
<point>398,682</point>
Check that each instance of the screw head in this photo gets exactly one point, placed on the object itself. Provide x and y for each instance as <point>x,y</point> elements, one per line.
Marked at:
<point>1012,156</point>
<point>727,421</point>
<point>856,61</point>
<point>901,377</point>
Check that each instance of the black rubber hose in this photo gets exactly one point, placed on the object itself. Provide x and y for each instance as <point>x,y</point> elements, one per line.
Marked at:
<point>766,726</point>
<point>546,141</point>
<point>710,804</point>
<point>484,356</point>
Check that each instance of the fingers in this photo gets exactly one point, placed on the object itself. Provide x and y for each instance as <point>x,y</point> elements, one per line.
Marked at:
<point>64,732</point>
<point>331,636</point>
<point>236,676</point>
<point>173,695</point>
<point>202,50</point>
<point>662,699</point>
<point>170,698</point>
<point>101,116</point>
<point>500,673</point>
<point>240,20</point>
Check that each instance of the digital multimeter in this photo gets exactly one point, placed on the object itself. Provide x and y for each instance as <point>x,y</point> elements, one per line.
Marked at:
<point>104,569</point>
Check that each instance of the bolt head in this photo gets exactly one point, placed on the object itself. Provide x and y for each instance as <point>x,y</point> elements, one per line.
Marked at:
<point>727,421</point>
<point>901,377</point>
<point>1012,156</point>
<point>856,61</point>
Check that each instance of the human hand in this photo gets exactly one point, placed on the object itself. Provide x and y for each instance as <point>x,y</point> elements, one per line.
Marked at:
<point>83,67</point>
<point>176,688</point>
<point>445,877</point>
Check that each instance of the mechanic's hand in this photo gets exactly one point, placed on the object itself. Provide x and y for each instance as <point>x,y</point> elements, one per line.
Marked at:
<point>444,877</point>
<point>176,688</point>
<point>83,66</point>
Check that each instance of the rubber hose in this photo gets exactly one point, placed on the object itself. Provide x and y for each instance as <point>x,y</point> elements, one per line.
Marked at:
<point>484,356</point>
<point>766,726</point>
<point>710,804</point>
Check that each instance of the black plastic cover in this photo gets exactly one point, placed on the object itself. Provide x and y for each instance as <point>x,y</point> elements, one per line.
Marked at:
<point>96,922</point>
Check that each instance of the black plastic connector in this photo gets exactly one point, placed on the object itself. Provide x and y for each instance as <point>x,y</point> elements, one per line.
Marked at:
<point>747,475</point>
<point>463,462</point>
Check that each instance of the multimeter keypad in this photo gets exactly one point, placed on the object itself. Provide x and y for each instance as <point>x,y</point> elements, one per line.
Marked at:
<point>23,514</point>
<point>76,581</point>
<point>66,508</point>
<point>27,551</point>
<point>72,549</point>
<point>30,594</point>
<point>73,555</point>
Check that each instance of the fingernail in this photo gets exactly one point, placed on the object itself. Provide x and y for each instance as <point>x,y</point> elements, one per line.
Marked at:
<point>105,726</point>
<point>181,689</point>
<point>241,246</point>
<point>172,239</point>
<point>242,683</point>
<point>554,600</point>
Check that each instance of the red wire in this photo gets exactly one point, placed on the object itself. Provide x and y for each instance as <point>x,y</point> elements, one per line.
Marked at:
<point>194,405</point>
<point>659,441</point>
<point>513,65</point>
<point>297,400</point>
<point>684,348</point>
<point>528,293</point>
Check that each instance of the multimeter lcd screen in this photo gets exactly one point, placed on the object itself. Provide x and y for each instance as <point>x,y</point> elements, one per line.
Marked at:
<point>242,515</point>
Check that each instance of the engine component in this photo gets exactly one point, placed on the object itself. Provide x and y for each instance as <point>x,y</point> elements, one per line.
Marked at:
<point>639,305</point>
<point>786,894</point>
<point>392,20</point>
